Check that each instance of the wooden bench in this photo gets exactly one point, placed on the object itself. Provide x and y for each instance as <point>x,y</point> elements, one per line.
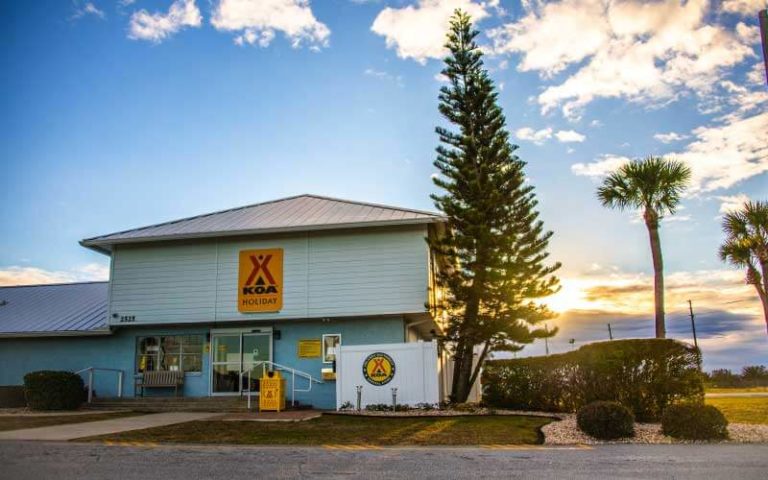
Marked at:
<point>161,379</point>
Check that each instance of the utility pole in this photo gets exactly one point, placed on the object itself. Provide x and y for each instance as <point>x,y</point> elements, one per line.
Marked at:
<point>763,16</point>
<point>693,324</point>
<point>546,339</point>
<point>610,333</point>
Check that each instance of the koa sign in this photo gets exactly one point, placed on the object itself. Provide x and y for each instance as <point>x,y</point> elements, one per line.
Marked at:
<point>260,280</point>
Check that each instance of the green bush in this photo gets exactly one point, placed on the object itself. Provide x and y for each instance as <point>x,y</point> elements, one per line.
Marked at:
<point>606,420</point>
<point>645,375</point>
<point>694,421</point>
<point>52,390</point>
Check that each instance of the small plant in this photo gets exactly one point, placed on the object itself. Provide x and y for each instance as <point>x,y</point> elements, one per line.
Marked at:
<point>52,390</point>
<point>378,407</point>
<point>694,421</point>
<point>347,406</point>
<point>606,420</point>
<point>425,406</point>
<point>465,407</point>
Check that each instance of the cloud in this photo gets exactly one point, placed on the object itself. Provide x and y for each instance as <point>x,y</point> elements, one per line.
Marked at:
<point>569,136</point>
<point>418,31</point>
<point>650,52</point>
<point>743,7</point>
<point>539,137</point>
<point>371,72</point>
<point>723,155</point>
<point>258,20</point>
<point>16,275</point>
<point>756,75</point>
<point>156,27</point>
<point>720,156</point>
<point>602,167</point>
<point>730,328</point>
<point>83,9</point>
<point>730,203</point>
<point>669,137</point>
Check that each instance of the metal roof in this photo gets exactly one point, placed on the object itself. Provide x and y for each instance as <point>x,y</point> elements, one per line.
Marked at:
<point>299,213</point>
<point>61,309</point>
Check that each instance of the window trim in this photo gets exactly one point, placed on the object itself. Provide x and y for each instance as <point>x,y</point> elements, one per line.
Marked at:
<point>328,362</point>
<point>158,355</point>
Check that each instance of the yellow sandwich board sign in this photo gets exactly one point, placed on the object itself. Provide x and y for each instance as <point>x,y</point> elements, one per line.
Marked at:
<point>260,280</point>
<point>271,392</point>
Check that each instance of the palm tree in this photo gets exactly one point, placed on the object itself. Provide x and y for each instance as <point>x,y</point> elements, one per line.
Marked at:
<point>746,246</point>
<point>653,186</point>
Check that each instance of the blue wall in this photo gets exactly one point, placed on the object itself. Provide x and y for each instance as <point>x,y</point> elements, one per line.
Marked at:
<point>22,355</point>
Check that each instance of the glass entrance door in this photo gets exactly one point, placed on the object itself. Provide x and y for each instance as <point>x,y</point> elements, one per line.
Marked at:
<point>233,355</point>
<point>257,348</point>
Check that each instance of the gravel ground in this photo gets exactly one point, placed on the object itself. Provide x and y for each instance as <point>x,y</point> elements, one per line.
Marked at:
<point>565,432</point>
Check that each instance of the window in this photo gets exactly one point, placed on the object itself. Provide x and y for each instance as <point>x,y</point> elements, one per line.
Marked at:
<point>170,352</point>
<point>331,344</point>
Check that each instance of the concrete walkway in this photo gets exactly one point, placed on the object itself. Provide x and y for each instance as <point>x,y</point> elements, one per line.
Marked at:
<point>103,427</point>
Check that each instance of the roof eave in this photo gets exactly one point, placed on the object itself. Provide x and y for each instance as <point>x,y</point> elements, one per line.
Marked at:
<point>104,246</point>
<point>65,333</point>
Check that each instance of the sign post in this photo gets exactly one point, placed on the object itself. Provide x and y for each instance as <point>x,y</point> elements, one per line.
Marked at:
<point>763,15</point>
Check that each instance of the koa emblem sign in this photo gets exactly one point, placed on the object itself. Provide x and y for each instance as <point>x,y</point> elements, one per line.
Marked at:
<point>379,368</point>
<point>260,280</point>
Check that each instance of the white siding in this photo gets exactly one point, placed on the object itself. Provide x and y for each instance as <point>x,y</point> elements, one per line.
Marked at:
<point>326,274</point>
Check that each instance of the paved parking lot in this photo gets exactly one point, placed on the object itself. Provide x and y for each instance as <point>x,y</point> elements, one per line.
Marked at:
<point>65,461</point>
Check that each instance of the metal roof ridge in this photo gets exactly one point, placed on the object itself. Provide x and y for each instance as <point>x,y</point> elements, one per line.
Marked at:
<point>85,241</point>
<point>92,241</point>
<point>59,284</point>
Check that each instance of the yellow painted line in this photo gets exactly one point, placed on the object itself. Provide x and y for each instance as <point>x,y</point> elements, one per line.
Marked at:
<point>112,443</point>
<point>333,446</point>
<point>496,446</point>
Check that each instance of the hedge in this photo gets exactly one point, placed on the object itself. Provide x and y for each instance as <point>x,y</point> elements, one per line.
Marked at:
<point>53,390</point>
<point>645,375</point>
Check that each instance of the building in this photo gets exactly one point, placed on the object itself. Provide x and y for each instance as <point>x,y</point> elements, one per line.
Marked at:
<point>217,295</point>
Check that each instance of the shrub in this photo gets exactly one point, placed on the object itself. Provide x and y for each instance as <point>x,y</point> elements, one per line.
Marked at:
<point>464,407</point>
<point>52,390</point>
<point>645,375</point>
<point>606,420</point>
<point>694,421</point>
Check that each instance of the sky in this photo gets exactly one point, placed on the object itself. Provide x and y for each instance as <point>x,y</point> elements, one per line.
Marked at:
<point>116,114</point>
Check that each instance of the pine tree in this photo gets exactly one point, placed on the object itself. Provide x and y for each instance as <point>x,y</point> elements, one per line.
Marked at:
<point>495,243</point>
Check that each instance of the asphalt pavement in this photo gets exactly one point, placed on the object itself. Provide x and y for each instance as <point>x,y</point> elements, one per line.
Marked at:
<point>65,461</point>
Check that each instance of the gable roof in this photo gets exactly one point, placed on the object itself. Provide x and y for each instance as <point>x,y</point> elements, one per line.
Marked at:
<point>60,309</point>
<point>298,213</point>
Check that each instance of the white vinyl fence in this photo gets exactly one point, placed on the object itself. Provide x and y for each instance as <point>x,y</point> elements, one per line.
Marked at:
<point>416,374</point>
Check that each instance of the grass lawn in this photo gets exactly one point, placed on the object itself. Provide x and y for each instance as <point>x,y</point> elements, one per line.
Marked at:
<point>738,390</point>
<point>341,430</point>
<point>742,409</point>
<point>33,421</point>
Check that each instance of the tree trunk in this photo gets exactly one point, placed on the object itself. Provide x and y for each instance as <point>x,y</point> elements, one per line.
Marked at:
<point>764,300</point>
<point>479,366</point>
<point>463,375</point>
<point>764,293</point>
<point>652,222</point>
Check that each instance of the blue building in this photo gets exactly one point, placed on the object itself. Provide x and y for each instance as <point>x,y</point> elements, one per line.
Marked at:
<point>219,295</point>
